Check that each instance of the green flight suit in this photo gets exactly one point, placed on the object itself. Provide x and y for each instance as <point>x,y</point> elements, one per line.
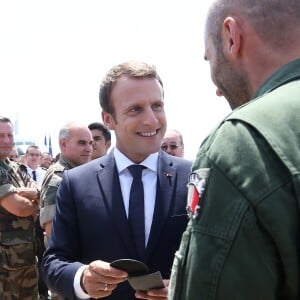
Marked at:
<point>18,272</point>
<point>243,238</point>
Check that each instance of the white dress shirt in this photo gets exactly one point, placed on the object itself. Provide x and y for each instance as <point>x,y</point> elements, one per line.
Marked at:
<point>39,173</point>
<point>149,179</point>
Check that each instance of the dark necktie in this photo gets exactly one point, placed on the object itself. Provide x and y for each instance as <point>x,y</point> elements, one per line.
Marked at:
<point>34,175</point>
<point>136,216</point>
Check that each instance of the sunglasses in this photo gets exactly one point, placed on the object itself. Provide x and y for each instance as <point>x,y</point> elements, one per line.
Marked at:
<point>172,147</point>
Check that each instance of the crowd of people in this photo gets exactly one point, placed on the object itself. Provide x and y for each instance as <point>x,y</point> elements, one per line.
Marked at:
<point>78,145</point>
<point>223,226</point>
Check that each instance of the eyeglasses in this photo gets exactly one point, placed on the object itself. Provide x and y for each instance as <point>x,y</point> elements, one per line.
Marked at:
<point>33,154</point>
<point>172,147</point>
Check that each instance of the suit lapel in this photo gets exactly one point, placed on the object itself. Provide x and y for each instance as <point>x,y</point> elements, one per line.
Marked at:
<point>164,195</point>
<point>112,197</point>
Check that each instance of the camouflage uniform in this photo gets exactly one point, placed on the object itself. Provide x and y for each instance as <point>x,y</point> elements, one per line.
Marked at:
<point>18,273</point>
<point>50,185</point>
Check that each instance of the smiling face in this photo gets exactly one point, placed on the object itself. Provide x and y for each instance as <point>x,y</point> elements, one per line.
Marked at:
<point>46,160</point>
<point>139,119</point>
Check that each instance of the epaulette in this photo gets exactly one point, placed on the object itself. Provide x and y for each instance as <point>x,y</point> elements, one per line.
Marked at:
<point>58,168</point>
<point>22,167</point>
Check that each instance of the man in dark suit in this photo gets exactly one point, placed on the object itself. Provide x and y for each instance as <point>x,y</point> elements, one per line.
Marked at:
<point>91,226</point>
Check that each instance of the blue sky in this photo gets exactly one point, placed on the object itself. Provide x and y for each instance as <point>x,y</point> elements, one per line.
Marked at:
<point>54,53</point>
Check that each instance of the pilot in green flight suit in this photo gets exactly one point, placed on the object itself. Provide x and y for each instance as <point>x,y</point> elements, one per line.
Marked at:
<point>243,238</point>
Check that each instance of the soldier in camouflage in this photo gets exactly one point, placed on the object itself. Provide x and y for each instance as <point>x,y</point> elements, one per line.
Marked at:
<point>76,146</point>
<point>19,203</point>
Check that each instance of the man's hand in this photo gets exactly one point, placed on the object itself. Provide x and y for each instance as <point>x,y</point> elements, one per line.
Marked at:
<point>29,193</point>
<point>99,279</point>
<point>155,294</point>
<point>47,229</point>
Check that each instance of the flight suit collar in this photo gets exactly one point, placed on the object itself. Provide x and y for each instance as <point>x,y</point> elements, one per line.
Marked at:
<point>287,73</point>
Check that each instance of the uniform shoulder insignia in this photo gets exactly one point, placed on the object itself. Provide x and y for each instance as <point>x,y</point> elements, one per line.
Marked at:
<point>196,187</point>
<point>22,170</point>
<point>22,167</point>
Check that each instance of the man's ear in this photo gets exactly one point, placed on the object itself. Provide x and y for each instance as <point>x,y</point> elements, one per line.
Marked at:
<point>231,35</point>
<point>62,143</point>
<point>108,120</point>
<point>108,144</point>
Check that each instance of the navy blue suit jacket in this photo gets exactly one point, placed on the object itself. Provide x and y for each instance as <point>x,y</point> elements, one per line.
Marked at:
<point>90,222</point>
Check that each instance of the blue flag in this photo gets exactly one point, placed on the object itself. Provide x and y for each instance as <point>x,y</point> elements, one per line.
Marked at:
<point>50,146</point>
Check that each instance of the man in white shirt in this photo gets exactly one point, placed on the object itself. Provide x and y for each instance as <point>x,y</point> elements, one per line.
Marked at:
<point>33,159</point>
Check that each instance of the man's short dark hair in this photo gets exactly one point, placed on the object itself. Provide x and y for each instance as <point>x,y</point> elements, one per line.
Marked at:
<point>5,120</point>
<point>131,69</point>
<point>105,131</point>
